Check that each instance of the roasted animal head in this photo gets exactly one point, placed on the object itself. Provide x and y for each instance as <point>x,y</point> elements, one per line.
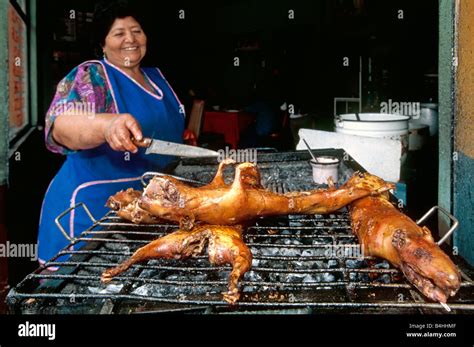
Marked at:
<point>370,182</point>
<point>386,232</point>
<point>426,265</point>
<point>122,198</point>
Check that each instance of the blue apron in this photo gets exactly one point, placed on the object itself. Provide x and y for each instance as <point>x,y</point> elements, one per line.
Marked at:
<point>91,176</point>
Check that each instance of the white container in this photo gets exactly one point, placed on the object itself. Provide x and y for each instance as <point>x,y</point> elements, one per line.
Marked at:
<point>325,167</point>
<point>372,124</point>
<point>382,125</point>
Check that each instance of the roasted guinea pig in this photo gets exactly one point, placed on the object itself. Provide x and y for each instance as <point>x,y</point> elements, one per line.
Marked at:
<point>224,246</point>
<point>385,232</point>
<point>244,200</point>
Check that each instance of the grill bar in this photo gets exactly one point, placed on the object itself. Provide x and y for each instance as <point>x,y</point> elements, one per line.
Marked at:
<point>213,268</point>
<point>454,306</point>
<point>223,282</point>
<point>289,258</point>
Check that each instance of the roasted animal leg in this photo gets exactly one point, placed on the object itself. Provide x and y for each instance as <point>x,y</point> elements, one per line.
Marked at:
<point>385,232</point>
<point>218,180</point>
<point>177,245</point>
<point>225,247</point>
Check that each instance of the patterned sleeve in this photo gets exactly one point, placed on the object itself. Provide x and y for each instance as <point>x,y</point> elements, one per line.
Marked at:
<point>84,89</point>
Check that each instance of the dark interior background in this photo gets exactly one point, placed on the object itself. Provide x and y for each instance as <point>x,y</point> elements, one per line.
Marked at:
<point>303,65</point>
<point>307,51</point>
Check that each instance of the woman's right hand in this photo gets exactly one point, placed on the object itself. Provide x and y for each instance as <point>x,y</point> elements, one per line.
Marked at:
<point>119,130</point>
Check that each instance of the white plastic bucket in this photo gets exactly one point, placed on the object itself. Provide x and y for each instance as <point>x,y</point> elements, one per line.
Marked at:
<point>382,125</point>
<point>323,169</point>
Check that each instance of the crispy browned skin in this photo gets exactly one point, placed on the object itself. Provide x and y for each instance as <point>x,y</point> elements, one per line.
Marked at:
<point>123,198</point>
<point>385,232</point>
<point>218,180</point>
<point>125,203</point>
<point>243,200</point>
<point>225,246</point>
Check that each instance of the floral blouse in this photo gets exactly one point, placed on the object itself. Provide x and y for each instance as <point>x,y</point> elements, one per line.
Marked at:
<point>84,88</point>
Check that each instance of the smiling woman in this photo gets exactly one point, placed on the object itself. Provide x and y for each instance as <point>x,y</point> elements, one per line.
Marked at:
<point>127,101</point>
<point>123,42</point>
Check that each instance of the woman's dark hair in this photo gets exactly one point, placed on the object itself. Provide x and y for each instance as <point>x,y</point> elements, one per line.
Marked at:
<point>105,13</point>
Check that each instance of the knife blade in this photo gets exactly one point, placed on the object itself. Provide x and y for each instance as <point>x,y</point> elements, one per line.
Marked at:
<point>154,146</point>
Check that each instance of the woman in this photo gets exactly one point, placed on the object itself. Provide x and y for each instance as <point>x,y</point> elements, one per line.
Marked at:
<point>98,107</point>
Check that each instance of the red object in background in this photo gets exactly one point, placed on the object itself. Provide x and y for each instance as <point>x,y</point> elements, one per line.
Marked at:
<point>189,137</point>
<point>230,124</point>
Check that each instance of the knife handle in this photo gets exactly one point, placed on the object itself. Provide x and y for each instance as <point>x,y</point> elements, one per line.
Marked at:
<point>144,142</point>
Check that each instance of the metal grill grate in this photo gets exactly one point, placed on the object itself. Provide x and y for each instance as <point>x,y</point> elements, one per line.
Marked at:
<point>301,264</point>
<point>298,263</point>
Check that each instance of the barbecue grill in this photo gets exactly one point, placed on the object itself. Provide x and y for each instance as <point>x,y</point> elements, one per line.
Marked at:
<point>301,264</point>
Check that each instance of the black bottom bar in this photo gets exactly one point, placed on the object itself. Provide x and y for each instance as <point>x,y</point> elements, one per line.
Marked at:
<point>236,329</point>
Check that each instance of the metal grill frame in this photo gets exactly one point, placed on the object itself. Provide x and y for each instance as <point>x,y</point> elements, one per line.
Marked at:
<point>106,230</point>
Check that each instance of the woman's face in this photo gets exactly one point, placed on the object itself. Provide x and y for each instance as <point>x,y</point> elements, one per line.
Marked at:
<point>125,44</point>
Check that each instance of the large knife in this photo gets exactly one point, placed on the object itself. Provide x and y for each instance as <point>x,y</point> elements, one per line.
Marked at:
<point>154,146</point>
